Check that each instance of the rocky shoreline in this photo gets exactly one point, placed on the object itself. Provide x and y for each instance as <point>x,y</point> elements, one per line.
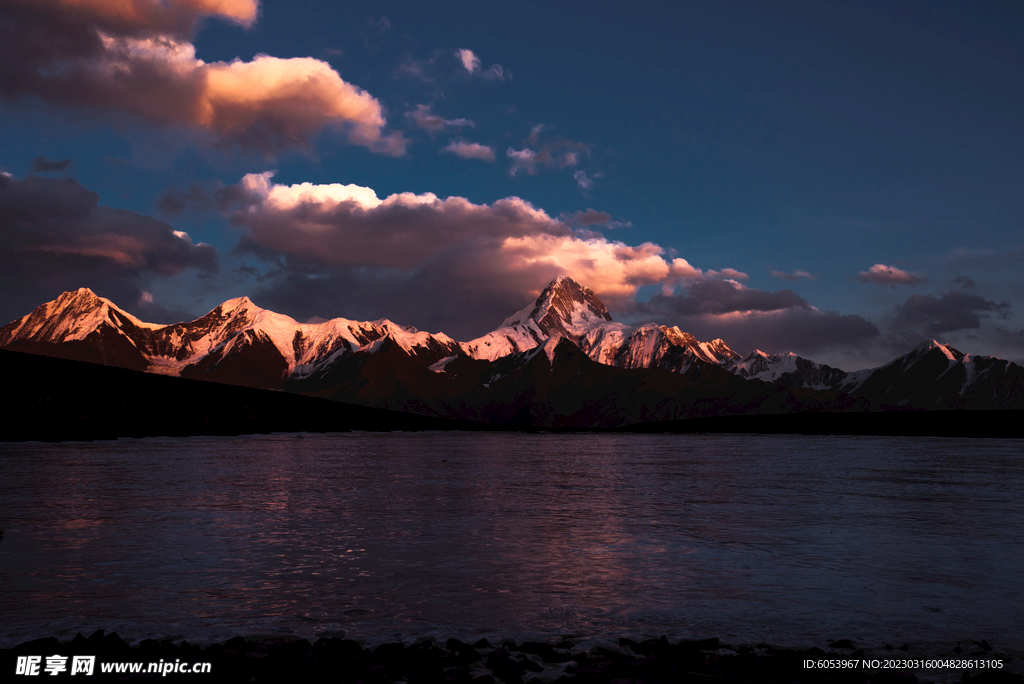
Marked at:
<point>334,659</point>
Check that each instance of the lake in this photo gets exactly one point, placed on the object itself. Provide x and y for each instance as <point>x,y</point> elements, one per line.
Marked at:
<point>790,540</point>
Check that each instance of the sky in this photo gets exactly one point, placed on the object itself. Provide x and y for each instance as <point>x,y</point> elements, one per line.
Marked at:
<point>839,179</point>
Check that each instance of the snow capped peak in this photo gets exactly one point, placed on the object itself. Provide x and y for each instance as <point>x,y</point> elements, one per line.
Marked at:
<point>564,306</point>
<point>950,353</point>
<point>72,316</point>
<point>80,299</point>
<point>239,304</point>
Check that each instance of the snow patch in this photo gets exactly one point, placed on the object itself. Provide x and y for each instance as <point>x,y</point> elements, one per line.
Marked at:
<point>440,365</point>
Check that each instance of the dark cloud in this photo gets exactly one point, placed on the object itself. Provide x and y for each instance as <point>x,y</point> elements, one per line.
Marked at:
<point>928,315</point>
<point>794,276</point>
<point>722,297</point>
<point>556,154</point>
<point>383,25</point>
<point>423,117</point>
<point>55,236</point>
<point>44,165</point>
<point>748,318</point>
<point>965,282</point>
<point>590,217</point>
<point>462,293</point>
<point>412,68</point>
<point>175,200</point>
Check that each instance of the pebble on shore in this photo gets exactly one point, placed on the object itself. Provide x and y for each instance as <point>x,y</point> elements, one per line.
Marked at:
<point>334,659</point>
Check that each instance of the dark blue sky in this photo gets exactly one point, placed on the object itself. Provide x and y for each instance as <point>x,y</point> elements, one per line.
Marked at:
<point>814,140</point>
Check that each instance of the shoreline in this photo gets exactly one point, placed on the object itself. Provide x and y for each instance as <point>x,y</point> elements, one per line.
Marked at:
<point>333,658</point>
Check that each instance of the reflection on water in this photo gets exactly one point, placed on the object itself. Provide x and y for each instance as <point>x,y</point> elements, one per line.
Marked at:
<point>790,540</point>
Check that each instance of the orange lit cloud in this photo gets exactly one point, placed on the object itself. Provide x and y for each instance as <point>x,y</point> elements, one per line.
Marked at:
<point>134,56</point>
<point>890,276</point>
<point>503,249</point>
<point>163,16</point>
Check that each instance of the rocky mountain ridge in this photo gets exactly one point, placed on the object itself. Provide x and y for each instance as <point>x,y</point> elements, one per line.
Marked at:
<point>384,364</point>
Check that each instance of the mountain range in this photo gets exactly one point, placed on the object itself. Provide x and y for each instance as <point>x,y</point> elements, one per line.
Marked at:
<point>561,362</point>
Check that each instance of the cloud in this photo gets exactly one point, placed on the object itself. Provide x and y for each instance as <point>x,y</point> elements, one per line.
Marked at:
<point>55,236</point>
<point>412,68</point>
<point>557,155</point>
<point>44,165</point>
<point>890,276</point>
<point>174,200</point>
<point>471,63</point>
<point>468,150</point>
<point>582,180</point>
<point>135,56</point>
<point>952,311</point>
<point>173,17</point>
<point>729,273</point>
<point>383,25</point>
<point>422,117</point>
<point>469,60</point>
<point>794,276</point>
<point>590,217</point>
<point>444,263</point>
<point>713,296</point>
<point>965,282</point>
<point>749,318</point>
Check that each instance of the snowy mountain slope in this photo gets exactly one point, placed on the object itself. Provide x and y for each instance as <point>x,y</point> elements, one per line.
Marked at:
<point>786,369</point>
<point>567,309</point>
<point>937,376</point>
<point>236,342</point>
<point>564,308</point>
<point>394,366</point>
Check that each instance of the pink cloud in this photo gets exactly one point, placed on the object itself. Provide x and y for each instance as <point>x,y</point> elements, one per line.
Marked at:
<point>468,150</point>
<point>730,273</point>
<point>471,63</point>
<point>890,276</point>
<point>422,117</point>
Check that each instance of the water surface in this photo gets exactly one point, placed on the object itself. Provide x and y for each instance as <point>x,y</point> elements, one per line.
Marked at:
<point>792,540</point>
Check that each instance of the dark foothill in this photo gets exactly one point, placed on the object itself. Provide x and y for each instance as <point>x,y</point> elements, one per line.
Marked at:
<point>482,644</point>
<point>985,646</point>
<point>842,643</point>
<point>905,647</point>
